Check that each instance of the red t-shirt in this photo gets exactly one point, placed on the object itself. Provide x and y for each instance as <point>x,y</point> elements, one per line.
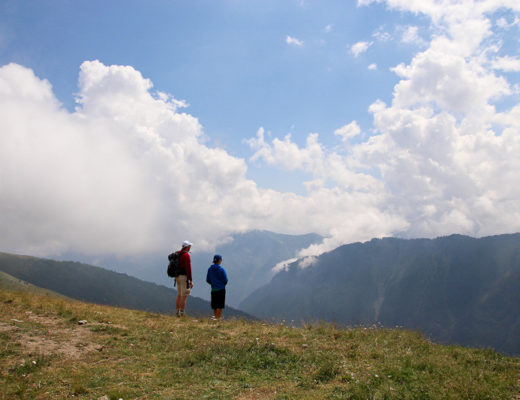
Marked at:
<point>185,263</point>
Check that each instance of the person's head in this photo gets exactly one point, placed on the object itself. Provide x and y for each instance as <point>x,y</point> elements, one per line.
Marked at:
<point>186,245</point>
<point>217,259</point>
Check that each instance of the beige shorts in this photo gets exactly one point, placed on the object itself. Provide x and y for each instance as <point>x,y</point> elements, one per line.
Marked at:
<point>182,289</point>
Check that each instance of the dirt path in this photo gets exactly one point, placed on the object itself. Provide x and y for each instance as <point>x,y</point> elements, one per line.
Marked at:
<point>50,337</point>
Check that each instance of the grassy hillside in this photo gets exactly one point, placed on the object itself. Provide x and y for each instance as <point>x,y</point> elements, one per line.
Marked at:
<point>11,283</point>
<point>45,353</point>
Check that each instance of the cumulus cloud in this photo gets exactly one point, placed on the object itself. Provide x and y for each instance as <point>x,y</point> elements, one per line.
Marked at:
<point>125,173</point>
<point>348,131</point>
<point>286,154</point>
<point>447,160</point>
<point>360,47</point>
<point>507,64</point>
<point>293,41</point>
<point>503,23</point>
<point>129,171</point>
<point>410,34</point>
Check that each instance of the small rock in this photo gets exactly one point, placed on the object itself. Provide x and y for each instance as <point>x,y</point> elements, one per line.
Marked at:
<point>105,397</point>
<point>82,322</point>
<point>304,346</point>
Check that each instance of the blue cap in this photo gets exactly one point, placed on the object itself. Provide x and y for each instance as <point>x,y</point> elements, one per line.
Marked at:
<point>217,257</point>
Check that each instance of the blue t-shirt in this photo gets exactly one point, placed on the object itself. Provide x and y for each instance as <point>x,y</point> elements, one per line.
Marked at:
<point>217,277</point>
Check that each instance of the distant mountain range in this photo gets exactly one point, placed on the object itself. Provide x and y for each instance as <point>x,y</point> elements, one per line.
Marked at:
<point>248,259</point>
<point>455,289</point>
<point>97,285</point>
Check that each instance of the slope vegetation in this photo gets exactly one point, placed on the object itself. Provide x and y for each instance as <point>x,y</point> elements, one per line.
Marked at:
<point>54,348</point>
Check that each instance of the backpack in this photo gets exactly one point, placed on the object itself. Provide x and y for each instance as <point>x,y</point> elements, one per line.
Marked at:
<point>174,266</point>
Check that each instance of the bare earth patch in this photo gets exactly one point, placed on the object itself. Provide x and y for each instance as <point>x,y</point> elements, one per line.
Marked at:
<point>72,342</point>
<point>257,394</point>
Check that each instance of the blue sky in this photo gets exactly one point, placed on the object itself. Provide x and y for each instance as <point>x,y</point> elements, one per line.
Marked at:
<point>229,60</point>
<point>350,119</point>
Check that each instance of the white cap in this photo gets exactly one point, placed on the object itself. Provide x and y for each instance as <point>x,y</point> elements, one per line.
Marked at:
<point>186,243</point>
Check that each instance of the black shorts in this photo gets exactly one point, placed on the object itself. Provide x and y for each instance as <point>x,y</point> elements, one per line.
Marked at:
<point>218,299</point>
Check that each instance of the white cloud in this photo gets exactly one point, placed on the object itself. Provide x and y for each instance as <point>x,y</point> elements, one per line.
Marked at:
<point>348,131</point>
<point>372,67</point>
<point>503,23</point>
<point>328,28</point>
<point>124,173</point>
<point>507,64</point>
<point>447,161</point>
<point>368,2</point>
<point>293,41</point>
<point>359,48</point>
<point>286,154</point>
<point>410,34</point>
<point>284,265</point>
<point>442,76</point>
<point>128,171</point>
<point>381,35</point>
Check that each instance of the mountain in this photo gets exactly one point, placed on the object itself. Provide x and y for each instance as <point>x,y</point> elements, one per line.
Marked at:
<point>97,285</point>
<point>248,259</point>
<point>454,289</point>
<point>9,282</point>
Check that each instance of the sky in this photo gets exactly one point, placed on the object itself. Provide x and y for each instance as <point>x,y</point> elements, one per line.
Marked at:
<point>127,127</point>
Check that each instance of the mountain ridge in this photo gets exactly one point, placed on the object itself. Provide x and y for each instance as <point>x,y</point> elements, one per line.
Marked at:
<point>455,289</point>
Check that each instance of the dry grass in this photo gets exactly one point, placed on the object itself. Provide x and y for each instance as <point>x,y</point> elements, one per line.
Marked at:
<point>47,354</point>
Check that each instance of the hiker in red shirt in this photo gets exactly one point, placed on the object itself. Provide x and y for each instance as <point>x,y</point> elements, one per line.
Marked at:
<point>184,280</point>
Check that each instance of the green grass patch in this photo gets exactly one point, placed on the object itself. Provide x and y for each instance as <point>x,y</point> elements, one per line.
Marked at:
<point>138,355</point>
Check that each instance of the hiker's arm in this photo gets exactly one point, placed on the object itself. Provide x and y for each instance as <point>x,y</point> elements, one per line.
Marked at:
<point>224,276</point>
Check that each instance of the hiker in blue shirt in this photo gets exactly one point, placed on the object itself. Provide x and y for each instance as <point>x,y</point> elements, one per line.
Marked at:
<point>217,278</point>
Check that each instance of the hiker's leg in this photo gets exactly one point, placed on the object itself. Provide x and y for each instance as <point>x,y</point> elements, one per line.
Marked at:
<point>218,313</point>
<point>182,303</point>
